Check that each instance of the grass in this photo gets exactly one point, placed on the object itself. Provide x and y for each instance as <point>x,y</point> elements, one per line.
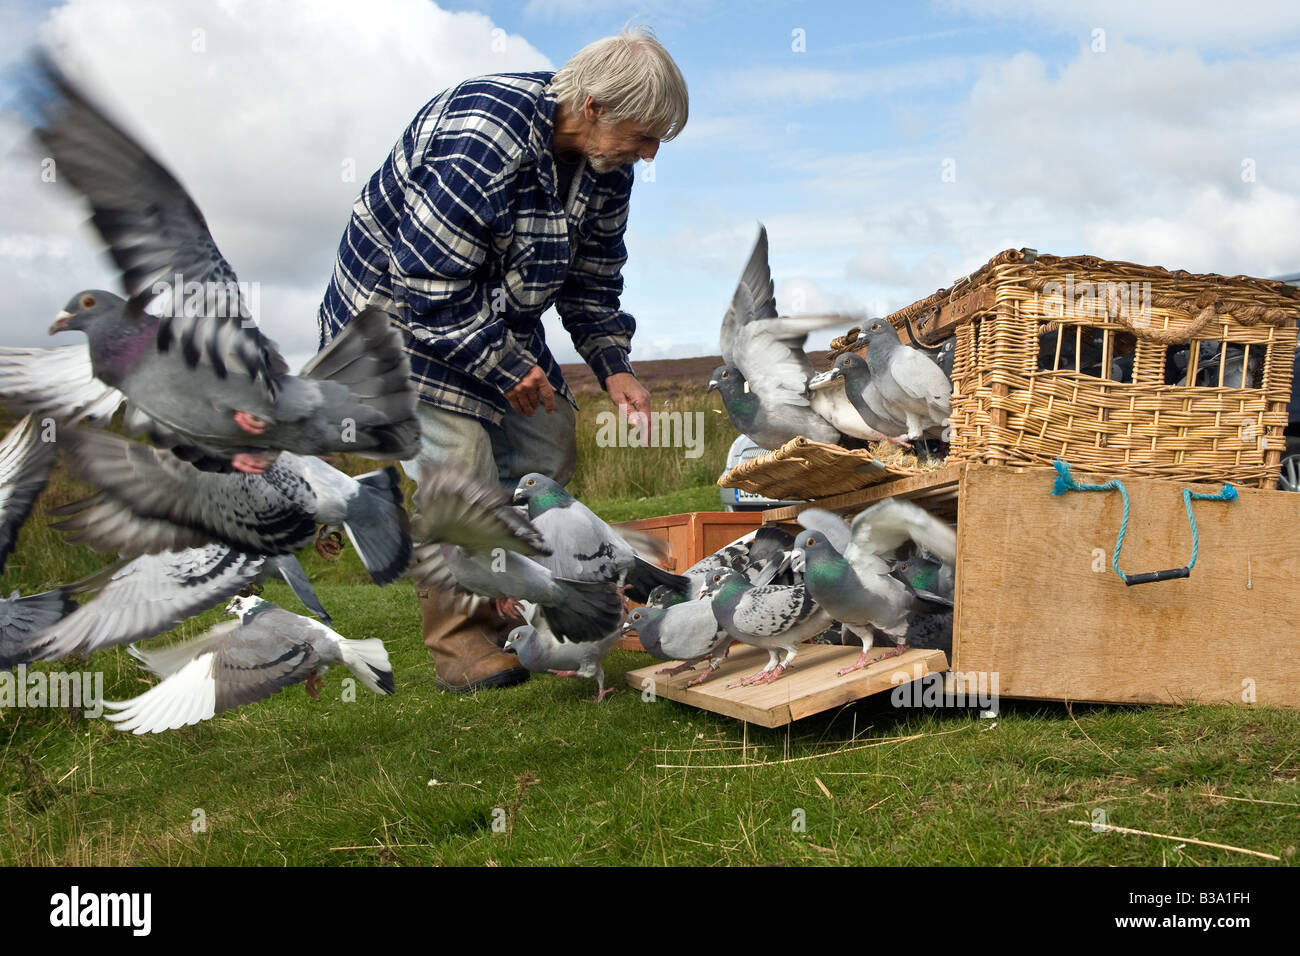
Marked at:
<point>539,775</point>
<point>421,778</point>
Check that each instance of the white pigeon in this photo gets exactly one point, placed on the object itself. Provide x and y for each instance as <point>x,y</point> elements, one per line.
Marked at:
<point>540,651</point>
<point>243,661</point>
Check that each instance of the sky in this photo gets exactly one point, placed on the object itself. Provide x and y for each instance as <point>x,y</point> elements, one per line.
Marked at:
<point>889,148</point>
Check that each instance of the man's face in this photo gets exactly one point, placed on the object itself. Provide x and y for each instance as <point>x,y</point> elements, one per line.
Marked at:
<point>620,144</point>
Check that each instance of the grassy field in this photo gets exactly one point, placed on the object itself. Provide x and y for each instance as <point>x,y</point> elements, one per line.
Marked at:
<point>538,774</point>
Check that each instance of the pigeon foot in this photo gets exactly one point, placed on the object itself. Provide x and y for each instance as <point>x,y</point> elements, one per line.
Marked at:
<point>679,669</point>
<point>602,695</point>
<point>862,662</point>
<point>705,676</point>
<point>250,423</point>
<point>897,651</point>
<point>329,544</point>
<point>762,677</point>
<point>250,464</point>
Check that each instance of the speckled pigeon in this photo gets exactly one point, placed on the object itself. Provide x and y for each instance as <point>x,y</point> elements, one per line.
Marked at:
<point>202,370</point>
<point>585,548</point>
<point>773,617</point>
<point>243,661</point>
<point>151,501</point>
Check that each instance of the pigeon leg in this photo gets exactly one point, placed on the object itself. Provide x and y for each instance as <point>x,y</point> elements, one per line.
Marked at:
<point>250,423</point>
<point>601,690</point>
<point>329,544</point>
<point>313,686</point>
<point>679,669</point>
<point>867,640</point>
<point>780,669</point>
<point>551,670</point>
<point>897,651</point>
<point>713,666</point>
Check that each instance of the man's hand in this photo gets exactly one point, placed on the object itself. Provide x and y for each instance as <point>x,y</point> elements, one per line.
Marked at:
<point>625,390</point>
<point>533,390</point>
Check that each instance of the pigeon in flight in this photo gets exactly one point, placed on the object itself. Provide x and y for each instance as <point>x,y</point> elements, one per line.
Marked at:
<point>243,661</point>
<point>22,619</point>
<point>585,548</point>
<point>476,545</point>
<point>151,501</point>
<point>764,351</point>
<point>26,461</point>
<point>202,370</point>
<point>847,574</point>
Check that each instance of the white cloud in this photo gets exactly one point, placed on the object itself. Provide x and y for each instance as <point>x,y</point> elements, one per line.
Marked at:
<point>256,113</point>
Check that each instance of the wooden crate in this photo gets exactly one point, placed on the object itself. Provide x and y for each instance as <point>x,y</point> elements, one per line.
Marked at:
<point>692,536</point>
<point>1024,394</point>
<point>1038,604</point>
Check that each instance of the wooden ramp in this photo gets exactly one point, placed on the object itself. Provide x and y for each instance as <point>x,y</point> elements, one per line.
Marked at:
<point>810,687</point>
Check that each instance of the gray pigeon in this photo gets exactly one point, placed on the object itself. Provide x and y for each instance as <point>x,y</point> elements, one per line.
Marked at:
<point>151,501</point>
<point>26,461</point>
<point>474,544</point>
<point>767,351</point>
<point>687,632</point>
<point>539,650</point>
<point>23,618</point>
<point>864,395</point>
<point>203,371</point>
<point>243,661</point>
<point>847,574</point>
<point>831,401</point>
<point>585,548</point>
<point>773,617</point>
<point>909,380</point>
<point>153,593</point>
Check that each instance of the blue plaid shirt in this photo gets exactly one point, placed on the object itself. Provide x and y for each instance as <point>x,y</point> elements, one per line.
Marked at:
<point>461,235</point>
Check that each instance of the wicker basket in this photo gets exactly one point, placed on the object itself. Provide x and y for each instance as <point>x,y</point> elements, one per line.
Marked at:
<point>1117,368</point>
<point>806,470</point>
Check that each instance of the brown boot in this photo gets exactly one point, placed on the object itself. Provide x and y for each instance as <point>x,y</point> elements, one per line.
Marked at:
<point>464,647</point>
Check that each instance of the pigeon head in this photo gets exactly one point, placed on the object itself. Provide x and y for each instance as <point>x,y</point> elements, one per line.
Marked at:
<point>850,365</point>
<point>85,308</point>
<point>664,596</point>
<point>641,616</point>
<point>726,585</point>
<point>728,380</point>
<point>882,339</point>
<point>242,606</point>
<point>540,494</point>
<point>520,635</point>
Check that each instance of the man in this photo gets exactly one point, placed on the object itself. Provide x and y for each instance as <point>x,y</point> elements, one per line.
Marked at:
<point>508,194</point>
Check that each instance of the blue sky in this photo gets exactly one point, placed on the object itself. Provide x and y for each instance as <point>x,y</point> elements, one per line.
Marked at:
<point>901,147</point>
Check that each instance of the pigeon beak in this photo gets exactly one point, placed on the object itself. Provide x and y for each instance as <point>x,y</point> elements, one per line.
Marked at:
<point>61,321</point>
<point>834,373</point>
<point>713,386</point>
<point>627,626</point>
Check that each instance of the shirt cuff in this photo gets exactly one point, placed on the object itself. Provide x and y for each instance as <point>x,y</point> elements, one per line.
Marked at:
<point>610,361</point>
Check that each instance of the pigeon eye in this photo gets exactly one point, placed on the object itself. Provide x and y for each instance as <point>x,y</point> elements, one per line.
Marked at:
<point>531,482</point>
<point>812,542</point>
<point>87,301</point>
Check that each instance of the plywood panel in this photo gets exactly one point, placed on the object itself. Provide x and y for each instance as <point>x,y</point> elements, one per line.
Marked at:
<point>809,687</point>
<point>1032,608</point>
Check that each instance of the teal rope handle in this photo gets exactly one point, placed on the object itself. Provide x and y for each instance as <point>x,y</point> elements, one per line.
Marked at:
<point>1065,482</point>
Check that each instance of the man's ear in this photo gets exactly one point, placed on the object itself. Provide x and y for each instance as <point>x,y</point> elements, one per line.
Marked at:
<point>591,110</point>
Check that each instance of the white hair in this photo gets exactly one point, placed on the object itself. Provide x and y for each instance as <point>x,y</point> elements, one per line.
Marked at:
<point>632,76</point>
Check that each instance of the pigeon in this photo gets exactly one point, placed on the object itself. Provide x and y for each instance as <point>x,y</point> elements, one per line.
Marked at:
<point>687,632</point>
<point>585,548</point>
<point>847,574</point>
<point>22,618</point>
<point>752,554</point>
<point>151,501</point>
<point>765,351</point>
<point>474,544</point>
<point>927,575</point>
<point>26,461</point>
<point>57,382</point>
<point>773,617</point>
<point>243,661</point>
<point>830,399</point>
<point>864,395</point>
<point>908,380</point>
<point>203,371</point>
<point>153,593</point>
<point>763,420</point>
<point>539,650</point>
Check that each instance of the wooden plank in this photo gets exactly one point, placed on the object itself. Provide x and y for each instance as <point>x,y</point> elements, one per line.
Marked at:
<point>1031,607</point>
<point>941,324</point>
<point>940,480</point>
<point>809,687</point>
